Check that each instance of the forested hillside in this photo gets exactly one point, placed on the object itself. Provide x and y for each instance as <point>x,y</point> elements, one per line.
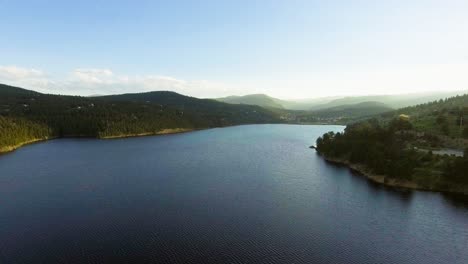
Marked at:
<point>402,146</point>
<point>353,111</point>
<point>262,100</point>
<point>27,115</point>
<point>209,109</point>
<point>323,103</point>
<point>393,101</point>
<point>448,117</point>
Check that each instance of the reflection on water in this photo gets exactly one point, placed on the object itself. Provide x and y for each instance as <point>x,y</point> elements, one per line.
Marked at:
<point>247,194</point>
<point>405,195</point>
<point>459,201</point>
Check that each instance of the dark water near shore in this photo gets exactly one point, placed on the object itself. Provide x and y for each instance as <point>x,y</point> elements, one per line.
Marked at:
<point>246,194</point>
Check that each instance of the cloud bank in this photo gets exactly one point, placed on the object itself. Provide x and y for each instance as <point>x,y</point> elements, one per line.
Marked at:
<point>91,81</point>
<point>395,80</point>
<point>33,78</point>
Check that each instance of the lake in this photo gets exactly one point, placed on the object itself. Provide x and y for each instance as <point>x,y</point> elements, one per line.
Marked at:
<point>245,194</point>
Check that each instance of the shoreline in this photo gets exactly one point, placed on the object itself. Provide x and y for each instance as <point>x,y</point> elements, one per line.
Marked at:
<point>166,131</point>
<point>12,148</point>
<point>389,182</point>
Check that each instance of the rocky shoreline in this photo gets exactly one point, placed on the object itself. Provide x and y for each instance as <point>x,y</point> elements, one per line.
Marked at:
<point>396,183</point>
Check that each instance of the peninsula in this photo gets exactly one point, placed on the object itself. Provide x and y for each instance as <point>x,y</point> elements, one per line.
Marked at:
<point>399,149</point>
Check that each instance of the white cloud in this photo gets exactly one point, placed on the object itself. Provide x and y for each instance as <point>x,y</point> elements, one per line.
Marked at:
<point>98,76</point>
<point>104,81</point>
<point>25,77</point>
<point>16,73</point>
<point>89,81</point>
<point>393,79</point>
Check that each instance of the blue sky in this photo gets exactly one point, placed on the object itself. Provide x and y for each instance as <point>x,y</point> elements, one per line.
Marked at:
<point>289,49</point>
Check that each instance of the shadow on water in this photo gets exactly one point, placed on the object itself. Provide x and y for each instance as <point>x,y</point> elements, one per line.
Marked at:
<point>457,200</point>
<point>402,194</point>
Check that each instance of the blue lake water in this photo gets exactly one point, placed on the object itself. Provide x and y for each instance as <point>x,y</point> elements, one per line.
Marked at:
<point>245,194</point>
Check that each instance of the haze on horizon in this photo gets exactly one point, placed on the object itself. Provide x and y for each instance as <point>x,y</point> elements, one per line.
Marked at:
<point>286,49</point>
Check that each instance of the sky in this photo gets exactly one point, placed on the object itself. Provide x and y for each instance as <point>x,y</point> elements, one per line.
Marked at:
<point>213,48</point>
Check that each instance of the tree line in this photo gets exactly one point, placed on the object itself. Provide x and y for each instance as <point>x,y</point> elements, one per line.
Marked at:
<point>27,115</point>
<point>390,149</point>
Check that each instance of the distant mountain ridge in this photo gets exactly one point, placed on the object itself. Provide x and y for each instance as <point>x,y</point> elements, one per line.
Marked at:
<point>363,109</point>
<point>262,100</point>
<point>392,101</point>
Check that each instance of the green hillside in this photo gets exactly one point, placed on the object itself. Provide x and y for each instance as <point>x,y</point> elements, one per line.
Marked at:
<point>28,116</point>
<point>448,117</point>
<point>393,101</point>
<point>253,99</point>
<point>316,104</point>
<point>350,111</point>
<point>271,102</point>
<point>345,110</point>
<point>343,114</point>
<point>406,147</point>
